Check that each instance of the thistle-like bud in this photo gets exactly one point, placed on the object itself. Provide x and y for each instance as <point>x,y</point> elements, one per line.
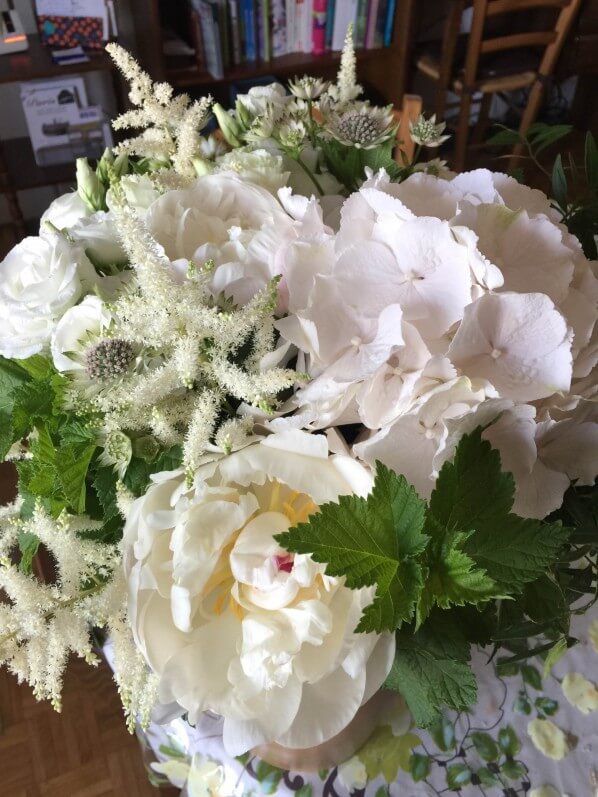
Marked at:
<point>89,186</point>
<point>109,358</point>
<point>229,126</point>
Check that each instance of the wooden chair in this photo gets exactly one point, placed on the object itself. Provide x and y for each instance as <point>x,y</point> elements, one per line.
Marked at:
<point>410,110</point>
<point>491,64</point>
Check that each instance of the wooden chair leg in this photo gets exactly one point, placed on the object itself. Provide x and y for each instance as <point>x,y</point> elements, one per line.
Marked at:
<point>462,133</point>
<point>534,103</point>
<point>483,118</point>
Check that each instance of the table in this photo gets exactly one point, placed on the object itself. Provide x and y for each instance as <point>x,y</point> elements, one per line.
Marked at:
<point>488,752</point>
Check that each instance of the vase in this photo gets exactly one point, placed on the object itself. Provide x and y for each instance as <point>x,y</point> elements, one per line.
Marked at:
<point>340,747</point>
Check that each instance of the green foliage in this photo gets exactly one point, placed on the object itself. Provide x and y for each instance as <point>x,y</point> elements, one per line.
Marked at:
<point>457,776</point>
<point>508,741</point>
<point>419,767</point>
<point>442,731</point>
<point>28,545</point>
<point>348,164</point>
<point>485,746</point>
<point>384,753</point>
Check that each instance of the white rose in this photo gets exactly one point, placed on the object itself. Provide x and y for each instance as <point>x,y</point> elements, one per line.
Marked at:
<point>98,234</point>
<point>139,190</point>
<point>40,279</point>
<point>232,623</point>
<point>73,333</point>
<point>66,211</point>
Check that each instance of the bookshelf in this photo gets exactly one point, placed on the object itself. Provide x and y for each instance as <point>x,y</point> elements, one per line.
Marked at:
<point>380,69</point>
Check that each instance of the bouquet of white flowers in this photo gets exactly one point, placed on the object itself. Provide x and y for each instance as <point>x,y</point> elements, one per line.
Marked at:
<point>293,421</point>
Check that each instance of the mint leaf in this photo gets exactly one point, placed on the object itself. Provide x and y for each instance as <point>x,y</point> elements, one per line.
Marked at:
<point>429,676</point>
<point>371,540</point>
<point>453,578</point>
<point>473,494</point>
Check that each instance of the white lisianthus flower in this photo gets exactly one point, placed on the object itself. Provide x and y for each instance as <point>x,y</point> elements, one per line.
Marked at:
<point>40,279</point>
<point>230,621</point>
<point>98,235</point>
<point>65,211</point>
<point>259,98</point>
<point>76,331</point>
<point>257,166</point>
<point>139,190</point>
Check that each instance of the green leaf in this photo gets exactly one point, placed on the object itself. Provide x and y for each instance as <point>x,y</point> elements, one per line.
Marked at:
<point>508,741</point>
<point>485,746</point>
<point>74,463</point>
<point>531,676</point>
<point>37,366</point>
<point>28,545</point>
<point>429,676</point>
<point>591,161</point>
<point>268,776</point>
<point>370,541</point>
<point>504,138</point>
<point>104,484</point>
<point>513,769</point>
<point>323,773</point>
<point>542,135</point>
<point>32,405</point>
<point>384,753</point>
<point>305,791</point>
<point>419,767</point>
<point>7,433</point>
<point>547,706</point>
<point>522,706</point>
<point>559,183</point>
<point>486,777</point>
<point>443,733</point>
<point>545,603</point>
<point>556,652</point>
<point>457,776</point>
<point>11,376</point>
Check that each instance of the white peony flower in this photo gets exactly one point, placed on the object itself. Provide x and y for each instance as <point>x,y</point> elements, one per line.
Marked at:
<point>232,623</point>
<point>65,211</point>
<point>518,342</point>
<point>40,279</point>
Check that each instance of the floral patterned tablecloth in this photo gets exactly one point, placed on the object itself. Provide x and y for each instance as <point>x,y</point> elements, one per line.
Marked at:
<point>530,734</point>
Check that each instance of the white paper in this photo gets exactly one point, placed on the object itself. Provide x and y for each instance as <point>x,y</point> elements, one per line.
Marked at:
<point>71,8</point>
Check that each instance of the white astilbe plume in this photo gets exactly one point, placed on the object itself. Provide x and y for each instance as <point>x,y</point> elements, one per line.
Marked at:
<point>347,88</point>
<point>189,366</point>
<point>42,624</point>
<point>170,124</point>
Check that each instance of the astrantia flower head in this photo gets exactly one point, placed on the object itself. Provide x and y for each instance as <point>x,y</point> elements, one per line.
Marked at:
<point>308,88</point>
<point>117,451</point>
<point>363,127</point>
<point>109,358</point>
<point>426,132</point>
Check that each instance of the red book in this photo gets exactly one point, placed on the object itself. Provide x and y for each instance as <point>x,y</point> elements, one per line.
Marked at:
<point>318,32</point>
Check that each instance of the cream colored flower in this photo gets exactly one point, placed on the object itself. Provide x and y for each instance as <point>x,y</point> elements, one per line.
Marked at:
<point>545,791</point>
<point>580,692</point>
<point>548,738</point>
<point>228,620</point>
<point>352,774</point>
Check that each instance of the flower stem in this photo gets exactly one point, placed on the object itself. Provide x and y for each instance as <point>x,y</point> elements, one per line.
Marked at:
<point>310,174</point>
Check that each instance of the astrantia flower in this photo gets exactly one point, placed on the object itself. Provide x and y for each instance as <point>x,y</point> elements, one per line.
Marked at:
<point>232,623</point>
<point>362,127</point>
<point>117,451</point>
<point>78,331</point>
<point>307,88</point>
<point>426,132</point>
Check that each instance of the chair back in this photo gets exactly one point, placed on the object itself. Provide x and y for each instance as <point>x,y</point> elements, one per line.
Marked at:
<point>548,41</point>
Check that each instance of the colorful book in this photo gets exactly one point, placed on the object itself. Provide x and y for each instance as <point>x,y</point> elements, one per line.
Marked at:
<point>210,34</point>
<point>307,26</point>
<point>361,23</point>
<point>248,16</point>
<point>345,13</point>
<point>330,23</point>
<point>371,24</point>
<point>197,40</point>
<point>380,24</point>
<point>278,26</point>
<point>390,19</point>
<point>318,31</point>
<point>223,30</point>
<point>236,46</point>
<point>263,27</point>
<point>299,26</point>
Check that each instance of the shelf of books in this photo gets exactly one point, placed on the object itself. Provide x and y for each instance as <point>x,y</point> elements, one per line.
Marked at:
<point>221,41</point>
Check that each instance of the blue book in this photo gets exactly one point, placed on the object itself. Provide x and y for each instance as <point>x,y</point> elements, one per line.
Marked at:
<point>329,23</point>
<point>390,18</point>
<point>249,29</point>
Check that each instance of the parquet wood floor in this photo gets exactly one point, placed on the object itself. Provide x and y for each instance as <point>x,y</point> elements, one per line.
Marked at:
<point>84,752</point>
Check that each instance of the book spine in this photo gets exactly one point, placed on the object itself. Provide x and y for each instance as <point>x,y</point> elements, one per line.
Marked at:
<point>344,16</point>
<point>224,33</point>
<point>249,28</point>
<point>196,37</point>
<point>330,23</point>
<point>210,34</point>
<point>318,32</point>
<point>371,24</point>
<point>307,27</point>
<point>361,23</point>
<point>278,26</point>
<point>266,38</point>
<point>390,18</point>
<point>299,25</point>
<point>235,32</point>
<point>380,24</point>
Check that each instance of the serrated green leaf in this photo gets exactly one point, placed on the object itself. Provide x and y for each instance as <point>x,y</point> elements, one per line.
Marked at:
<point>419,767</point>
<point>28,546</point>
<point>74,464</point>
<point>11,376</point>
<point>7,434</point>
<point>429,677</point>
<point>443,733</point>
<point>485,745</point>
<point>37,366</point>
<point>32,405</point>
<point>371,541</point>
<point>104,484</point>
<point>457,776</point>
<point>508,741</point>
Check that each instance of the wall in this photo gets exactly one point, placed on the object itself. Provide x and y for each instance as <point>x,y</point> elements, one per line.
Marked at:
<point>12,121</point>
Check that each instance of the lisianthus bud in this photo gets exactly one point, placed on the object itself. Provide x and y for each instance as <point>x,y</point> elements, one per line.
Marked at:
<point>229,126</point>
<point>89,186</point>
